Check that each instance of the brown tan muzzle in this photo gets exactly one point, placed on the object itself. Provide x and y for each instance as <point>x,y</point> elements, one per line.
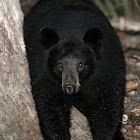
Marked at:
<point>70,81</point>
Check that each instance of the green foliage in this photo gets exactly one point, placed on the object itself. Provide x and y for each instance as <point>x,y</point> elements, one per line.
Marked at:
<point>118,4</point>
<point>105,9</point>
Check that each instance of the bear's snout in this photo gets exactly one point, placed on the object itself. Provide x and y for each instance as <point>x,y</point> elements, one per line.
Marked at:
<point>69,89</point>
<point>70,81</point>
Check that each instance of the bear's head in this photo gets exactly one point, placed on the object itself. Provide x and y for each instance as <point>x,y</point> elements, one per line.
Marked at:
<point>71,62</point>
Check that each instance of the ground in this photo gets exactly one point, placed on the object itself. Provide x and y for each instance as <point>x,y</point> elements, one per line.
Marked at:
<point>131,118</point>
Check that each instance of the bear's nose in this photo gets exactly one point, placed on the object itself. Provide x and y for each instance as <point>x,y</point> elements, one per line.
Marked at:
<point>69,89</point>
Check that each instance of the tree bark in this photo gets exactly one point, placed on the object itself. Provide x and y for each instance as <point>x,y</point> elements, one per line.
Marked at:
<point>18,119</point>
<point>26,5</point>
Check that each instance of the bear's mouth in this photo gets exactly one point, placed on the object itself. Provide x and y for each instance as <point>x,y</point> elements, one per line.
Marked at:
<point>70,89</point>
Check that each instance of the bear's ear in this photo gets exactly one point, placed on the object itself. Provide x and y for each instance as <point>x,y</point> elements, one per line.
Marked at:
<point>93,38</point>
<point>48,37</point>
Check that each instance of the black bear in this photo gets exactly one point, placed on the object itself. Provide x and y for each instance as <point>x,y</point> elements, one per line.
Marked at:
<point>75,59</point>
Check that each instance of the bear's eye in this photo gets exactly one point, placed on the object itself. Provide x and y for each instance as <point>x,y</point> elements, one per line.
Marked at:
<point>80,66</point>
<point>59,65</point>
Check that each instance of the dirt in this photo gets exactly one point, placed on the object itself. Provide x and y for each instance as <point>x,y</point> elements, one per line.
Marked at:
<point>131,117</point>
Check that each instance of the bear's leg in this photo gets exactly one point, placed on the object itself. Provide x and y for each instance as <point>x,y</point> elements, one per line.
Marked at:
<point>105,122</point>
<point>54,117</point>
<point>116,136</point>
<point>104,114</point>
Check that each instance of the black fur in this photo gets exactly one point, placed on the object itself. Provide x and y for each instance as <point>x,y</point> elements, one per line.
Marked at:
<point>100,97</point>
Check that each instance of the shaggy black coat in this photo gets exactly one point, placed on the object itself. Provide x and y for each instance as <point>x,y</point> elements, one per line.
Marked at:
<point>100,96</point>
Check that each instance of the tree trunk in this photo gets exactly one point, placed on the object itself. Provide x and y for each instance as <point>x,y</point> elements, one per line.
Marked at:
<point>18,119</point>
